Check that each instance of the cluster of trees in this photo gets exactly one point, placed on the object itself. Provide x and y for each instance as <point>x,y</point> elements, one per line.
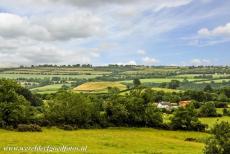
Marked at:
<point>17,104</point>
<point>77,110</point>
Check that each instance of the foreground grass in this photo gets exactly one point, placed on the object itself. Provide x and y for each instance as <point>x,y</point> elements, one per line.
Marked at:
<point>109,141</point>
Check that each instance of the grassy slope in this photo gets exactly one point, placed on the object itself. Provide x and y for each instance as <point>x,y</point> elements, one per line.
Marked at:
<point>112,141</point>
<point>99,86</point>
<point>47,89</point>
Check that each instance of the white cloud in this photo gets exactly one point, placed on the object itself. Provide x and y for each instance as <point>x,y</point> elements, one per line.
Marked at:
<point>222,31</point>
<point>141,52</point>
<point>12,26</point>
<point>75,25</point>
<point>149,61</point>
<point>15,52</point>
<point>198,62</point>
<point>131,62</point>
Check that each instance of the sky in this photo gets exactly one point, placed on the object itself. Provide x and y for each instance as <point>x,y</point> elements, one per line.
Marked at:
<point>102,32</point>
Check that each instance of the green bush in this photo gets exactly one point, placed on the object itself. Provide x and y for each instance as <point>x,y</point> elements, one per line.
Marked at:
<point>219,143</point>
<point>67,127</point>
<point>29,128</point>
<point>186,119</point>
<point>208,110</point>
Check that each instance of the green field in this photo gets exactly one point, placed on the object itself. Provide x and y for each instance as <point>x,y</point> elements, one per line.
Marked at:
<point>48,89</point>
<point>159,80</point>
<point>194,75</point>
<point>216,81</point>
<point>209,121</point>
<point>166,90</point>
<point>212,121</point>
<point>109,141</point>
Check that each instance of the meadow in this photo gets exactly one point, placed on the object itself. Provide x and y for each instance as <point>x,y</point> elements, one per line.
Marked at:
<point>109,141</point>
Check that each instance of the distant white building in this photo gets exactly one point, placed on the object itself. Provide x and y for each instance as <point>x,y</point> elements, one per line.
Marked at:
<point>164,105</point>
<point>167,105</point>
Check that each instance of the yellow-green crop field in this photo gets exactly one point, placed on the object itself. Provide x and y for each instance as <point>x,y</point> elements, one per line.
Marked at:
<point>99,86</point>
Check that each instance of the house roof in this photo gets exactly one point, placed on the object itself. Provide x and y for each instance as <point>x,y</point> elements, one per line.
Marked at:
<point>165,103</point>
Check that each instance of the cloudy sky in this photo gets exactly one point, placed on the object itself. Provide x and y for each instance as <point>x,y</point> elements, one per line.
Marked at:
<point>100,32</point>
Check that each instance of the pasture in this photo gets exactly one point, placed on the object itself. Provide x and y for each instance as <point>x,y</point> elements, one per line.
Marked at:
<point>109,141</point>
<point>48,89</point>
<point>159,80</point>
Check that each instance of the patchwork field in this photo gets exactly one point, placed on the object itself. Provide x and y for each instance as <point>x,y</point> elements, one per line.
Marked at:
<point>99,86</point>
<point>109,141</point>
<point>40,76</point>
<point>159,80</point>
<point>48,89</point>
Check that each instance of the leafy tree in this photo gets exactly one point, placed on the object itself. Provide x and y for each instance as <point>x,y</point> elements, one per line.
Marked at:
<point>208,110</point>
<point>222,97</point>
<point>113,90</point>
<point>136,82</point>
<point>174,84</point>
<point>153,117</point>
<point>34,100</point>
<point>186,119</point>
<point>69,108</point>
<point>219,143</point>
<point>116,111</point>
<point>14,108</point>
<point>208,88</point>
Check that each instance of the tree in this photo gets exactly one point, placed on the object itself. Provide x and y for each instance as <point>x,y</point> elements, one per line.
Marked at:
<point>14,108</point>
<point>69,108</point>
<point>116,111</point>
<point>34,100</point>
<point>219,143</point>
<point>153,117</point>
<point>208,88</point>
<point>174,84</point>
<point>208,110</point>
<point>186,119</point>
<point>136,82</point>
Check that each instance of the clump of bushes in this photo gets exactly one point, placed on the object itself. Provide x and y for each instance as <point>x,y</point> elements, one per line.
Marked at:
<point>68,127</point>
<point>219,143</point>
<point>186,119</point>
<point>221,104</point>
<point>208,110</point>
<point>226,112</point>
<point>29,128</point>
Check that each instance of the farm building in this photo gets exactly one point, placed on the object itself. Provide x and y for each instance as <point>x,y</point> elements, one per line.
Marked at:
<point>184,103</point>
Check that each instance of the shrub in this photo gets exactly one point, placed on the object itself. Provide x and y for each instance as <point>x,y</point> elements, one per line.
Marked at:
<point>208,110</point>
<point>186,119</point>
<point>220,142</point>
<point>221,104</point>
<point>29,128</point>
<point>67,127</point>
<point>226,112</point>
